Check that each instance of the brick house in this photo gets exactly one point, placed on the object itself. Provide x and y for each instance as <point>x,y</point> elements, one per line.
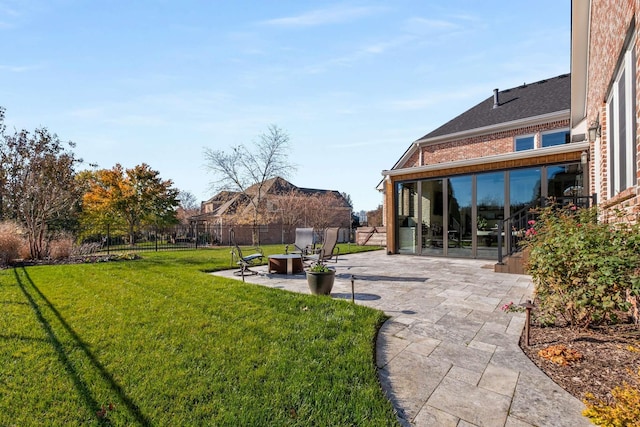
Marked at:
<point>280,215</point>
<point>604,98</point>
<point>447,193</point>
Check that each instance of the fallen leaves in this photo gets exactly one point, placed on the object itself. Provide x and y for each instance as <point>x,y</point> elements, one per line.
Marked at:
<point>560,354</point>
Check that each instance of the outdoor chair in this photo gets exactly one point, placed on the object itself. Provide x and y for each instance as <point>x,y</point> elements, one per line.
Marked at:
<point>328,249</point>
<point>304,244</point>
<point>245,261</point>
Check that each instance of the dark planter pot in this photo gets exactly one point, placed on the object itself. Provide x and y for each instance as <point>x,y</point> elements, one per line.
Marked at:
<point>321,283</point>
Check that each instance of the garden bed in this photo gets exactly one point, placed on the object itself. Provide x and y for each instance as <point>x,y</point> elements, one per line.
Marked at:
<point>610,357</point>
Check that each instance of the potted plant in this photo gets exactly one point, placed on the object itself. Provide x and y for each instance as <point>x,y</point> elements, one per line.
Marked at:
<point>320,279</point>
<point>482,222</point>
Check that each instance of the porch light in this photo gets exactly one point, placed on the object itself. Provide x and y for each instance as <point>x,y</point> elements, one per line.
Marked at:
<point>584,157</point>
<point>594,130</point>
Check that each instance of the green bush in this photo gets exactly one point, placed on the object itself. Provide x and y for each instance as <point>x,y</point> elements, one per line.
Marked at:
<point>582,268</point>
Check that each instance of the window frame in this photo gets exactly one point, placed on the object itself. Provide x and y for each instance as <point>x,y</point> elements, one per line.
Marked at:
<point>621,147</point>
<point>517,137</point>
<point>566,131</point>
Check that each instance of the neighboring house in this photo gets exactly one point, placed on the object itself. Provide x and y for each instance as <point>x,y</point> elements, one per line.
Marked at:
<point>281,211</point>
<point>604,98</point>
<point>448,191</point>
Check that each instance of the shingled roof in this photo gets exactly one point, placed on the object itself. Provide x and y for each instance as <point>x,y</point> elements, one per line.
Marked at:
<point>526,101</point>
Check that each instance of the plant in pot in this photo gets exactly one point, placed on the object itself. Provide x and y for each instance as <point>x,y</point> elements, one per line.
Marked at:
<point>320,279</point>
<point>482,223</point>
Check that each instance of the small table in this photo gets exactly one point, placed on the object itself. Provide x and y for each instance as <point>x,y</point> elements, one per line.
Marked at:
<point>285,264</point>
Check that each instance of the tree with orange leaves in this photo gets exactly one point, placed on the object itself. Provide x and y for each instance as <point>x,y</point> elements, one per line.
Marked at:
<point>130,197</point>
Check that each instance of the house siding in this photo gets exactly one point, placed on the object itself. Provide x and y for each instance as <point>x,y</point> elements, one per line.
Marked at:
<point>609,26</point>
<point>478,146</point>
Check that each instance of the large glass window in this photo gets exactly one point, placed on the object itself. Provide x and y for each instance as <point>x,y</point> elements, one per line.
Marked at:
<point>460,231</point>
<point>490,202</point>
<point>555,138</point>
<point>621,130</point>
<point>432,209</point>
<point>407,220</point>
<point>565,180</point>
<point>459,216</point>
<point>524,188</point>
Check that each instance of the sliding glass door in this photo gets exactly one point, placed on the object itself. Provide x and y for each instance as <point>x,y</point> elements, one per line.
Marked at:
<point>490,210</point>
<point>407,217</point>
<point>432,216</point>
<point>460,225</point>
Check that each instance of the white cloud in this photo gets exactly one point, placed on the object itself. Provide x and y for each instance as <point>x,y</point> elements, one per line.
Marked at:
<point>430,26</point>
<point>472,93</point>
<point>19,68</point>
<point>317,17</point>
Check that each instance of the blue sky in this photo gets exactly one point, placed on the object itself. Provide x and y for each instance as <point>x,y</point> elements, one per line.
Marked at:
<point>353,83</point>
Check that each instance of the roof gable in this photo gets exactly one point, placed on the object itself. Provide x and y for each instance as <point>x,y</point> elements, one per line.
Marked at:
<point>522,102</point>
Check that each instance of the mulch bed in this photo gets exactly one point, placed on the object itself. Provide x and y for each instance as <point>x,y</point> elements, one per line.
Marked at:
<point>80,259</point>
<point>610,356</point>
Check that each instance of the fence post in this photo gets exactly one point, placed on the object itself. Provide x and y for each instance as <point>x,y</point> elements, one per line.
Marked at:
<point>108,238</point>
<point>197,235</point>
<point>155,232</point>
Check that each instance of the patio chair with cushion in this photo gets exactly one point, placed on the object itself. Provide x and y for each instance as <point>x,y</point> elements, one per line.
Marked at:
<point>245,261</point>
<point>328,249</point>
<point>304,244</point>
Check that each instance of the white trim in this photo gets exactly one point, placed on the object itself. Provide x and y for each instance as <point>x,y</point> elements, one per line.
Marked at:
<point>580,42</point>
<point>597,166</point>
<point>500,127</point>
<point>517,155</point>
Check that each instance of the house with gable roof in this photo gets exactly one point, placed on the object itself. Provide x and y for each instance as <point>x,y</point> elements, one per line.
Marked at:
<point>450,189</point>
<point>232,209</point>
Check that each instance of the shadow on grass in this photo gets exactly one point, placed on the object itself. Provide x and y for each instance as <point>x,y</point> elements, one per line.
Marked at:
<point>79,383</point>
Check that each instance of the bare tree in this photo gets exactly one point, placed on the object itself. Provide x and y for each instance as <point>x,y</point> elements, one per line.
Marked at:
<point>289,209</point>
<point>347,198</point>
<point>188,206</point>
<point>374,217</point>
<point>246,169</point>
<point>38,182</point>
<point>327,210</point>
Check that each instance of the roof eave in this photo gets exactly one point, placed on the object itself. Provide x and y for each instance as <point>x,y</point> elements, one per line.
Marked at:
<point>517,155</point>
<point>580,18</point>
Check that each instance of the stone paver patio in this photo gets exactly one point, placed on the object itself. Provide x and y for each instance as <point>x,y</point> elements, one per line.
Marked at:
<point>448,355</point>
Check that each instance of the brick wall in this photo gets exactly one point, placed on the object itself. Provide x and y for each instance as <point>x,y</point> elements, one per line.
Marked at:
<point>610,24</point>
<point>478,146</point>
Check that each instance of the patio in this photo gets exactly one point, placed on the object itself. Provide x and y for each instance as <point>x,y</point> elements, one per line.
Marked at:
<point>448,355</point>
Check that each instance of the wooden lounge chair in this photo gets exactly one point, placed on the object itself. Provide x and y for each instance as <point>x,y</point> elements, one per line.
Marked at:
<point>328,249</point>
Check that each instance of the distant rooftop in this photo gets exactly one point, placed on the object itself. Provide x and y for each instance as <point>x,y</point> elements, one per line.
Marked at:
<point>529,100</point>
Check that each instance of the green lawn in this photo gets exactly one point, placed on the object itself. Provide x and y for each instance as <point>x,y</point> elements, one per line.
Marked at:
<point>157,341</point>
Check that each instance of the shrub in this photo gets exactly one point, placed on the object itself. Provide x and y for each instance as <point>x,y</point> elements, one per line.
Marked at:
<point>24,252</point>
<point>622,410</point>
<point>10,242</point>
<point>582,268</point>
<point>86,249</point>
<point>61,246</point>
